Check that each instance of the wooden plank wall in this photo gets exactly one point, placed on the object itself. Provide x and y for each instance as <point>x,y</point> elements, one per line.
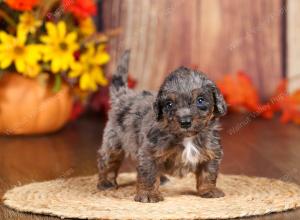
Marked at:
<point>216,36</point>
<point>293,44</point>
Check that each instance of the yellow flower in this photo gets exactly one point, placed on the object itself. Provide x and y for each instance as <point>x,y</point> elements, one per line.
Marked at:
<point>32,70</point>
<point>59,46</point>
<point>88,68</point>
<point>87,26</point>
<point>13,49</point>
<point>28,24</point>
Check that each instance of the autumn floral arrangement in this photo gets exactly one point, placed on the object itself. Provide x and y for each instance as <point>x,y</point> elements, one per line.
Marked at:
<point>55,38</point>
<point>53,42</point>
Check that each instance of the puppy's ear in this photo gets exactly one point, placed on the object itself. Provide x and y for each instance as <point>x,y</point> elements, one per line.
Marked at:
<point>220,106</point>
<point>158,108</point>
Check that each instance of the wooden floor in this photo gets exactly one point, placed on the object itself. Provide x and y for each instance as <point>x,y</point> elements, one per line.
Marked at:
<point>252,147</point>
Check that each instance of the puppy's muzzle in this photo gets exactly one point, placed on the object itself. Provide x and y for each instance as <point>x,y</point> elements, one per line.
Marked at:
<point>185,122</point>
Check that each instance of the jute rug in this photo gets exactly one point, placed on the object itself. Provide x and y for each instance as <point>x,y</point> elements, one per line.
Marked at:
<point>79,198</point>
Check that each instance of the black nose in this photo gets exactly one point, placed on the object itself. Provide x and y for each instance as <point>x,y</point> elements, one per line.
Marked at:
<point>185,122</point>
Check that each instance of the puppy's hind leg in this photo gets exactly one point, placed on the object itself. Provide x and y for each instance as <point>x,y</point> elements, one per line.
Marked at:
<point>110,159</point>
<point>109,163</point>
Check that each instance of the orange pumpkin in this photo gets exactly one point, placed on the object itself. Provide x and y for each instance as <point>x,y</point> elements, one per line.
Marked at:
<point>28,107</point>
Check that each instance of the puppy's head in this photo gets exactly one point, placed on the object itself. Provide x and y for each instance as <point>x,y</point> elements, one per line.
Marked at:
<point>187,101</point>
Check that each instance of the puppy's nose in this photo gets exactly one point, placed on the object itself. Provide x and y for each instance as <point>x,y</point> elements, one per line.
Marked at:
<point>186,121</point>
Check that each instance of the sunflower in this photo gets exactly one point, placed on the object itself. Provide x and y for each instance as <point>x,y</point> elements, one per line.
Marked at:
<point>59,46</point>
<point>28,23</point>
<point>13,49</point>
<point>88,68</point>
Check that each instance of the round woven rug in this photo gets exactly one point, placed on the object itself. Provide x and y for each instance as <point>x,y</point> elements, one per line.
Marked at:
<point>79,198</point>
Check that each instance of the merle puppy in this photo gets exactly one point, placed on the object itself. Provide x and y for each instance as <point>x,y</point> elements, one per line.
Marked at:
<point>174,132</point>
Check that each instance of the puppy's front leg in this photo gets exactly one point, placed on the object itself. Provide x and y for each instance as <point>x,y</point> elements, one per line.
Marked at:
<point>206,176</point>
<point>148,179</point>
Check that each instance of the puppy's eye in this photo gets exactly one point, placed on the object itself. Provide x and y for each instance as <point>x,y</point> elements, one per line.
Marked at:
<point>201,103</point>
<point>169,105</point>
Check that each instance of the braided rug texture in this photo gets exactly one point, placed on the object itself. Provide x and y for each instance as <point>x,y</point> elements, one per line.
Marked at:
<point>78,197</point>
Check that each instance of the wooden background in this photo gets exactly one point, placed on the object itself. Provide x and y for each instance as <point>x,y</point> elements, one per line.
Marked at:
<point>293,44</point>
<point>215,36</point>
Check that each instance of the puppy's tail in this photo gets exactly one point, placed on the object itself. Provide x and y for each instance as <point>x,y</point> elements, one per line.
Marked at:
<point>119,79</point>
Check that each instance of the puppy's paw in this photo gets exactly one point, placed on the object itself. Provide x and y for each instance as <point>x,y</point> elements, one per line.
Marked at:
<point>148,197</point>
<point>105,185</point>
<point>211,193</point>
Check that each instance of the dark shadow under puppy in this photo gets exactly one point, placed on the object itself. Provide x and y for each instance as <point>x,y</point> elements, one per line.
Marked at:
<point>173,132</point>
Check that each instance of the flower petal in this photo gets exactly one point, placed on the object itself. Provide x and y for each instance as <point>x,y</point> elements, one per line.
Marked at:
<point>98,76</point>
<point>61,27</point>
<point>102,58</point>
<point>5,38</point>
<point>5,63</point>
<point>74,74</point>
<point>55,65</point>
<point>21,35</point>
<point>87,83</point>
<point>20,65</point>
<point>51,30</point>
<point>71,37</point>
<point>33,54</point>
<point>32,70</point>
<point>45,39</point>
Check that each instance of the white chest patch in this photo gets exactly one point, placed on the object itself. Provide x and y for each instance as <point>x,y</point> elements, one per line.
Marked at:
<point>190,154</point>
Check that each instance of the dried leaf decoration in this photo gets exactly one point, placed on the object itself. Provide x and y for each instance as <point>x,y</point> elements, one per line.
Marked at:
<point>239,92</point>
<point>288,104</point>
<point>279,96</point>
<point>291,108</point>
<point>241,95</point>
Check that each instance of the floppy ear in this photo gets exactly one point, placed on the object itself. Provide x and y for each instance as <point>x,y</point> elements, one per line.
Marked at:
<point>220,104</point>
<point>157,107</point>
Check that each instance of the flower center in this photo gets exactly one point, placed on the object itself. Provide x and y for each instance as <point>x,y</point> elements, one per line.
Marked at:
<point>90,67</point>
<point>19,50</point>
<point>29,22</point>
<point>63,46</point>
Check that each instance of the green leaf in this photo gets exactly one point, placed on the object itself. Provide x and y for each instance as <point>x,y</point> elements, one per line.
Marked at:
<point>57,83</point>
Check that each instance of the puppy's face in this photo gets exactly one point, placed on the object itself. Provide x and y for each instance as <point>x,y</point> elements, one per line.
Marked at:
<point>187,101</point>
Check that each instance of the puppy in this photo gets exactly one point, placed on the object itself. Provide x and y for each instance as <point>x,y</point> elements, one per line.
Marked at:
<point>173,132</point>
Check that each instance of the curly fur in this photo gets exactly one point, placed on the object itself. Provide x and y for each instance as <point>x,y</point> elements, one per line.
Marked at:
<point>174,131</point>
